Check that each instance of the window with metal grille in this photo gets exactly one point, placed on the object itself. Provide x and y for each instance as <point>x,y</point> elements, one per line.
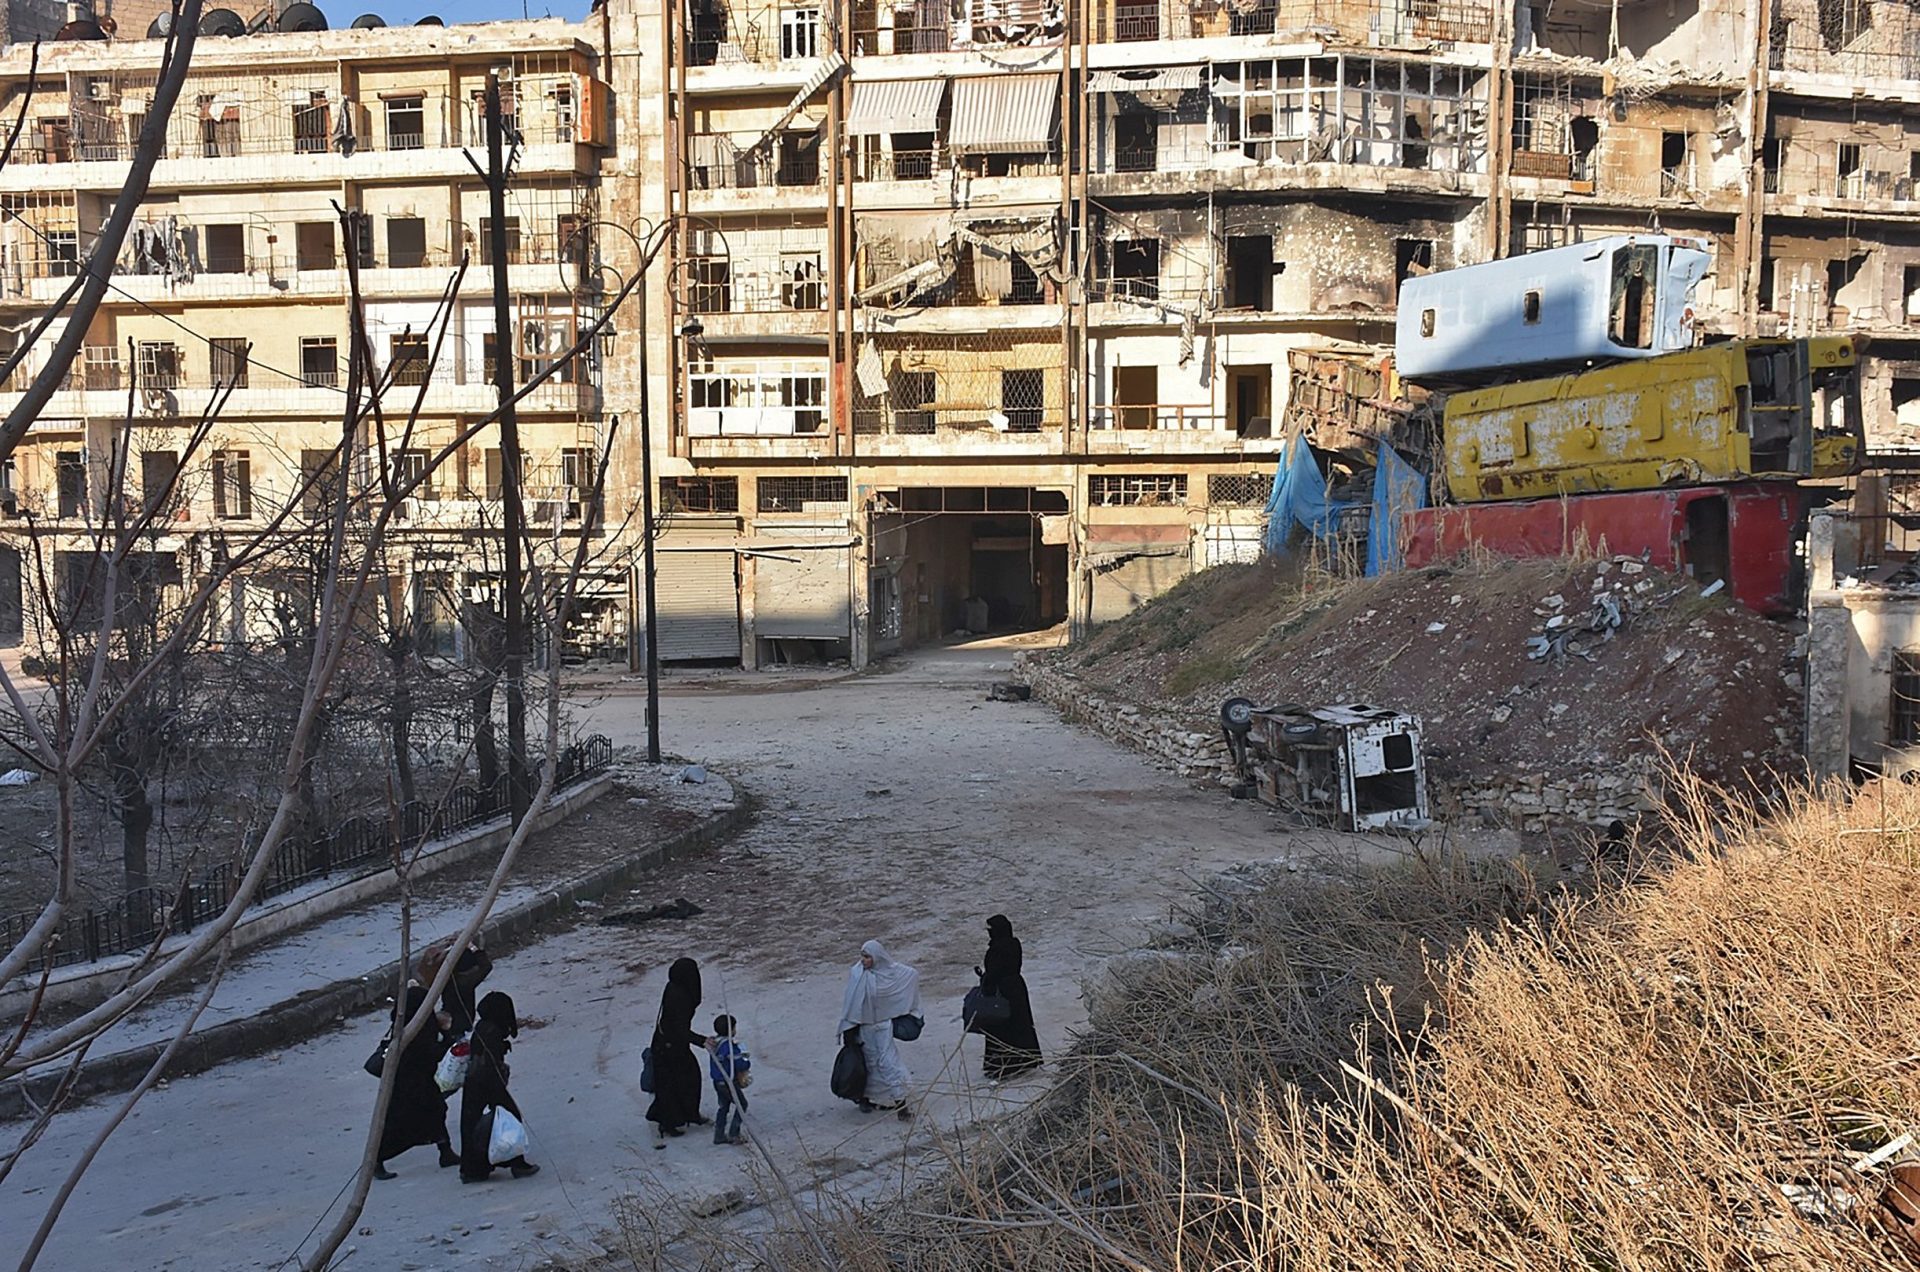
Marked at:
<point>411,466</point>
<point>409,359</point>
<point>511,226</point>
<point>1239,488</point>
<point>1903,719</point>
<point>232,485</point>
<point>700,494</point>
<point>406,123</point>
<point>1023,399</point>
<point>793,494</point>
<point>576,476</point>
<point>1129,489</point>
<point>160,364</point>
<point>70,475</point>
<point>319,361</point>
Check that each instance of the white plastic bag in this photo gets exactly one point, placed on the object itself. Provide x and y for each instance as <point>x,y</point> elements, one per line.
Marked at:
<point>451,1073</point>
<point>509,1138</point>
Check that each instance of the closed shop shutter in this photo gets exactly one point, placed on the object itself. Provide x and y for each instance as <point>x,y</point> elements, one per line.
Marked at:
<point>801,593</point>
<point>698,601</point>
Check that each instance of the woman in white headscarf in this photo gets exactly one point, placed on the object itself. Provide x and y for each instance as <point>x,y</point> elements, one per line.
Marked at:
<point>878,989</point>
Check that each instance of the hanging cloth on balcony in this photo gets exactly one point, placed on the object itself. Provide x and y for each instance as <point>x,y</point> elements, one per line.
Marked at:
<point>1004,114</point>
<point>1178,78</point>
<point>895,106</point>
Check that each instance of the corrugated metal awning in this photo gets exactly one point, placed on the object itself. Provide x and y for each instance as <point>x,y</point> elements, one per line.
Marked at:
<point>895,106</point>
<point>1169,77</point>
<point>1004,114</point>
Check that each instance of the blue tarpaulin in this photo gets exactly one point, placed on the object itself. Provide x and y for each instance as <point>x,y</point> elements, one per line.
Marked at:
<point>1398,488</point>
<point>1299,498</point>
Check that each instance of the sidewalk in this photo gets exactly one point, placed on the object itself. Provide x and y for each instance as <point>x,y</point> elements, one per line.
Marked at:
<point>308,979</point>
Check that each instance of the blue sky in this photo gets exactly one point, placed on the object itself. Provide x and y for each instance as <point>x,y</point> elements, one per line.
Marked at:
<point>398,12</point>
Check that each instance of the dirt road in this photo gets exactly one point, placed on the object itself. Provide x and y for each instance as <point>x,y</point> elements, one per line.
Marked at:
<point>900,805</point>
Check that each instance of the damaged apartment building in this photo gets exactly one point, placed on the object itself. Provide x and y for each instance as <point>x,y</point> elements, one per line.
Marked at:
<point>997,313</point>
<point>234,277</point>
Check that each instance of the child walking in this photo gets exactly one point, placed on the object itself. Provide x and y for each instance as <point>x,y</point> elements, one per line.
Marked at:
<point>728,1061</point>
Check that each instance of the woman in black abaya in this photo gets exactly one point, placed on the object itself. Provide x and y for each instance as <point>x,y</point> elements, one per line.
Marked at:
<point>486,1087</point>
<point>1013,1045</point>
<point>676,1071</point>
<point>417,1111</point>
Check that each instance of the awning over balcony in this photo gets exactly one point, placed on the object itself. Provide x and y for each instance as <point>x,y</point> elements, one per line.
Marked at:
<point>895,106</point>
<point>1004,114</point>
<point>1167,78</point>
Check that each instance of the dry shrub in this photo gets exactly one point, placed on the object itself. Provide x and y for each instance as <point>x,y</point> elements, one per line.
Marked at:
<point>1445,1066</point>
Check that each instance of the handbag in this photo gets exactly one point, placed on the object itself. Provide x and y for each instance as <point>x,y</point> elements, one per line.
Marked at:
<point>646,1070</point>
<point>451,1073</point>
<point>506,1138</point>
<point>907,1028</point>
<point>849,1080</point>
<point>981,1008</point>
<point>377,1062</point>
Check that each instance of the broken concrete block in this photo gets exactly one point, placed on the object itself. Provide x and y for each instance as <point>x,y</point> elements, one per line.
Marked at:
<point>720,1203</point>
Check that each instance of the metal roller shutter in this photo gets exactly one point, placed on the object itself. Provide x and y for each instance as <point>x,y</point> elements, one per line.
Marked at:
<point>801,593</point>
<point>697,598</point>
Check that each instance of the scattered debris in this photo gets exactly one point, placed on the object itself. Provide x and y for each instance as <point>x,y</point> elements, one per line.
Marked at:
<point>679,908</point>
<point>1009,691</point>
<point>879,791</point>
<point>1434,629</point>
<point>19,777</point>
<point>1354,765</point>
<point>720,1203</point>
<point>694,775</point>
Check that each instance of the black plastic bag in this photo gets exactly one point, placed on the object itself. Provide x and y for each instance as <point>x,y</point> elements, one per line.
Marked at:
<point>850,1069</point>
<point>980,1009</point>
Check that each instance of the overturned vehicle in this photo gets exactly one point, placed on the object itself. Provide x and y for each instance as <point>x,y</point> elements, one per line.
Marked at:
<point>1352,766</point>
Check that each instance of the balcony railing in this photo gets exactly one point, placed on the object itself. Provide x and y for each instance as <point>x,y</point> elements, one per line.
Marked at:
<point>1159,416</point>
<point>900,165</point>
<point>1133,22</point>
<point>718,163</point>
<point>713,285</point>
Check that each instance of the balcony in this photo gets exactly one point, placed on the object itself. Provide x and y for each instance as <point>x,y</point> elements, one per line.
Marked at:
<point>1160,428</point>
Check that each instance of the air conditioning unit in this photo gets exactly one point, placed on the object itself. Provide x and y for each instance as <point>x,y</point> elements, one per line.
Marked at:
<point>100,90</point>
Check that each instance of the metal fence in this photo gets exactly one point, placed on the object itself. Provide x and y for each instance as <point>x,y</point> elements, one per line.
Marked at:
<point>357,846</point>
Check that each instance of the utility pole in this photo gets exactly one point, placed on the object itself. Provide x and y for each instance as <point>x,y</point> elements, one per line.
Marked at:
<point>648,530</point>
<point>514,588</point>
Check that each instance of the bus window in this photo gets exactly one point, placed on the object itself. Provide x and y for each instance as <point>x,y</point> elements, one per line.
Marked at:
<point>1634,294</point>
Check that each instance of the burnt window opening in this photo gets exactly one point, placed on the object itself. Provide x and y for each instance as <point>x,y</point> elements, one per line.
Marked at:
<point>1137,490</point>
<point>1770,152</point>
<point>1910,295</point>
<point>70,478</point>
<point>1902,391</point>
<point>1136,143</point>
<point>1840,275</point>
<point>1250,271</point>
<point>1768,272</point>
<point>1903,713</point>
<point>1411,259</point>
<point>1583,138</point>
<point>1414,151</point>
<point>1673,163</point>
<point>1530,308</point>
<point>1848,179</point>
<point>1136,268</point>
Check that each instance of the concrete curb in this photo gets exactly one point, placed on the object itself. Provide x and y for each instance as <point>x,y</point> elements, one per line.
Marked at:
<point>311,1012</point>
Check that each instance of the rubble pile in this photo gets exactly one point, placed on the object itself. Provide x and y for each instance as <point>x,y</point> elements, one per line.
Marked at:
<point>1550,691</point>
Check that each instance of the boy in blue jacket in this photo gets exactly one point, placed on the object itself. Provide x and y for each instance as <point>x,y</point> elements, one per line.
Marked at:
<point>728,1059</point>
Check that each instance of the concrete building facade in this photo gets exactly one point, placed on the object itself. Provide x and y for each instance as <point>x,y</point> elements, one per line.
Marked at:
<point>235,279</point>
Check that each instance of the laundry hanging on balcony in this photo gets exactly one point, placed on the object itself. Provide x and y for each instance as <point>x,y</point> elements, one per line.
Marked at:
<point>1004,114</point>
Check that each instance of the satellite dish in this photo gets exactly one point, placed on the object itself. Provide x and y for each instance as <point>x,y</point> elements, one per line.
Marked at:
<point>223,23</point>
<point>301,17</point>
<point>82,29</point>
<point>430,20</point>
<point>369,22</point>
<point>161,27</point>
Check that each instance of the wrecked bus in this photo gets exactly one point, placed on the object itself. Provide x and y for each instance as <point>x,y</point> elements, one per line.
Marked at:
<point>1720,413</point>
<point>1621,298</point>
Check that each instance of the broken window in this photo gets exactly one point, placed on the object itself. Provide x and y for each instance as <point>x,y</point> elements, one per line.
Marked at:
<point>1136,268</point>
<point>1844,21</point>
<point>806,396</point>
<point>227,360</point>
<point>796,494</point>
<point>1411,259</point>
<point>1250,271</point>
<point>1115,490</point>
<point>312,125</point>
<point>160,364</point>
<point>406,242</point>
<point>1840,274</point>
<point>1770,151</point>
<point>232,485</point>
<point>1633,295</point>
<point>1026,285</point>
<point>1023,399</point>
<point>226,247</point>
<point>313,245</point>
<point>1910,294</point>
<point>1583,138</point>
<point>1673,164</point>
<point>709,285</point>
<point>1769,271</point>
<point>1903,715</point>
<point>70,478</point>
<point>700,494</point>
<point>799,159</point>
<point>1530,307</point>
<point>799,34</point>
<point>158,472</point>
<point>1850,182</point>
<point>1426,322</point>
<point>319,362</point>
<point>1136,142</point>
<point>800,280</point>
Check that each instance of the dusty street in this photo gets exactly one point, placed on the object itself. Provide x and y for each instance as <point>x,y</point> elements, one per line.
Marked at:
<point>900,805</point>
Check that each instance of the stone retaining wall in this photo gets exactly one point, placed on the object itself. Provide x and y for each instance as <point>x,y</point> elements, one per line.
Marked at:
<point>1530,803</point>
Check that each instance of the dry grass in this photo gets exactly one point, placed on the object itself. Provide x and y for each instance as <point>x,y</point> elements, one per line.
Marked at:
<point>1457,1065</point>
